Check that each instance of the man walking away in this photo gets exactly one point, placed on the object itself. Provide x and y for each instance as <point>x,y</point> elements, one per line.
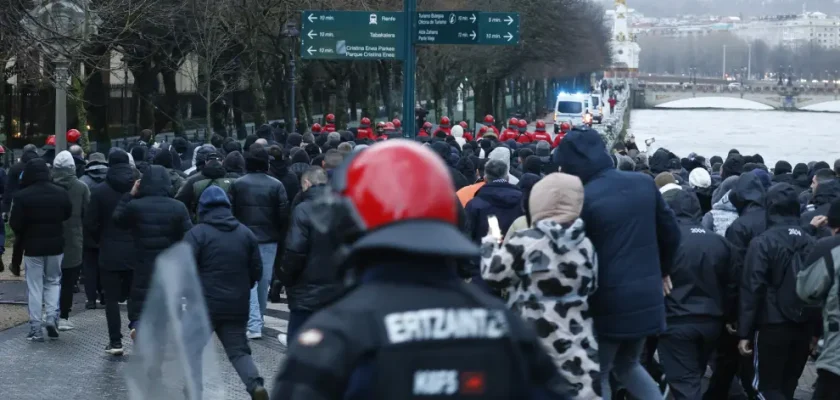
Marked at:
<point>699,303</point>
<point>95,173</point>
<point>211,171</point>
<point>64,175</point>
<point>307,269</point>
<point>261,204</point>
<point>635,254</point>
<point>228,260</point>
<point>30,152</point>
<point>773,325</point>
<point>116,246</point>
<point>818,284</point>
<point>38,212</point>
<point>156,221</point>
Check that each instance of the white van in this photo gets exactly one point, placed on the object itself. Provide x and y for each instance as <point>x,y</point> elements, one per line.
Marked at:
<point>571,107</point>
<point>597,110</point>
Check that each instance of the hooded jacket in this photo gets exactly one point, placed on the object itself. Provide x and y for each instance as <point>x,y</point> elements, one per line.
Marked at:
<point>768,259</point>
<point>290,180</point>
<point>748,198</point>
<point>234,164</point>
<point>39,210</point>
<point>501,199</point>
<point>819,284</point>
<point>635,249</point>
<point>156,221</point>
<point>309,272</point>
<point>549,281</point>
<point>64,175</point>
<point>13,179</point>
<point>721,216</point>
<point>209,171</point>
<point>445,152</point>
<point>95,172</point>
<point>503,154</point>
<point>660,161</point>
<point>825,194</point>
<point>704,282</point>
<point>227,256</point>
<point>116,244</point>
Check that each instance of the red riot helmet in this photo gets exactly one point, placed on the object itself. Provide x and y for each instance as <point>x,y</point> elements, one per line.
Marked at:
<point>444,122</point>
<point>50,140</point>
<point>365,122</point>
<point>397,123</point>
<point>464,125</point>
<point>73,136</point>
<point>389,126</point>
<point>540,125</point>
<point>330,118</point>
<point>513,123</point>
<point>316,128</point>
<point>427,125</point>
<point>374,215</point>
<point>522,124</point>
<point>489,120</point>
<point>565,127</point>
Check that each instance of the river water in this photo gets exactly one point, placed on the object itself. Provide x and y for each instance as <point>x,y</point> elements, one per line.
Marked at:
<point>776,135</point>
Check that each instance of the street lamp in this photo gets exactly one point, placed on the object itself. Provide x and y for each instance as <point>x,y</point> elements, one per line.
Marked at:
<point>60,25</point>
<point>291,31</point>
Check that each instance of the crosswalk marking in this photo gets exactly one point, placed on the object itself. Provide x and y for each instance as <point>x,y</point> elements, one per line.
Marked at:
<point>276,318</point>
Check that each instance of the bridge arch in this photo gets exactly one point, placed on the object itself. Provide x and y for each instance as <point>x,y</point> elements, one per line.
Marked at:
<point>710,101</point>
<point>820,104</point>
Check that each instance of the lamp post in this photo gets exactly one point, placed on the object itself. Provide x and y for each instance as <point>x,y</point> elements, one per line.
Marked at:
<point>291,31</point>
<point>60,25</point>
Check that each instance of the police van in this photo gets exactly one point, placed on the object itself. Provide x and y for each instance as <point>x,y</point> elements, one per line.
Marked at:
<point>597,110</point>
<point>571,107</point>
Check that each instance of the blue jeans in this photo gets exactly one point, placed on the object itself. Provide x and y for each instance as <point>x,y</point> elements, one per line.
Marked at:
<point>43,281</point>
<point>622,359</point>
<point>259,293</point>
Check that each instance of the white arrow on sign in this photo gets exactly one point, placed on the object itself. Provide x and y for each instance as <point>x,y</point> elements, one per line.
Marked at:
<point>509,37</point>
<point>509,20</point>
<point>311,34</point>
<point>472,35</point>
<point>312,18</point>
<point>310,50</point>
<point>472,18</point>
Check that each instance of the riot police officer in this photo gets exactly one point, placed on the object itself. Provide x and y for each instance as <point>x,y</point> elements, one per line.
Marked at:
<point>409,327</point>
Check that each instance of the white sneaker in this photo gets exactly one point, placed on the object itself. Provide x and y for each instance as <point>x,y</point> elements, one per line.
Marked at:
<point>283,339</point>
<point>65,325</point>
<point>253,335</point>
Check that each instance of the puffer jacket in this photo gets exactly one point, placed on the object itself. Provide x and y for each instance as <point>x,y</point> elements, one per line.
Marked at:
<point>768,259</point>
<point>748,198</point>
<point>704,283</point>
<point>311,277</point>
<point>13,180</point>
<point>551,290</point>
<point>39,210</point>
<point>819,284</point>
<point>260,202</point>
<point>494,198</point>
<point>116,244</point>
<point>722,215</point>
<point>227,257</point>
<point>825,194</point>
<point>73,227</point>
<point>156,221</point>
<point>234,164</point>
<point>290,180</point>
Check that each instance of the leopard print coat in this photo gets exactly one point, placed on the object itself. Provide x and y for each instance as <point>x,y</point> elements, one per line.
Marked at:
<point>549,271</point>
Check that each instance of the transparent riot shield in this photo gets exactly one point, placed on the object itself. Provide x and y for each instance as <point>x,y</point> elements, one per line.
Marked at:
<point>173,355</point>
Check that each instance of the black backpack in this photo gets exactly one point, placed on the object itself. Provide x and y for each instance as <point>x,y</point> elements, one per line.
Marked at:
<point>789,303</point>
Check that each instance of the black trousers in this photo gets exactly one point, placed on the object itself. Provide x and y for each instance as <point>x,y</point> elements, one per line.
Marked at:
<point>69,278</point>
<point>90,263</point>
<point>115,284</point>
<point>780,352</point>
<point>684,351</point>
<point>828,386</point>
<point>231,332</point>
<point>728,364</point>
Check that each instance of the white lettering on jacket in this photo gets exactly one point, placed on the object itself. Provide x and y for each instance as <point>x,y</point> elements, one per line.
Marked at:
<point>445,323</point>
<point>435,382</point>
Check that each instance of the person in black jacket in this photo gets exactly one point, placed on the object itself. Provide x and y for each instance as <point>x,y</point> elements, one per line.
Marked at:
<point>748,198</point>
<point>825,194</point>
<point>773,326</point>
<point>279,169</point>
<point>210,169</point>
<point>307,270</point>
<point>156,221</point>
<point>228,259</point>
<point>38,212</point>
<point>30,152</point>
<point>700,302</point>
<point>116,246</point>
<point>260,203</point>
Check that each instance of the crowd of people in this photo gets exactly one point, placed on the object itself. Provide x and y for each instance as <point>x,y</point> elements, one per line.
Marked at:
<point>591,273</point>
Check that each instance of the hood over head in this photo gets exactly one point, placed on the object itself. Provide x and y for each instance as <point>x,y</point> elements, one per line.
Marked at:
<point>782,167</point>
<point>558,197</point>
<point>723,203</point>
<point>543,149</point>
<point>64,160</point>
<point>764,176</point>
<point>748,191</point>
<point>733,166</point>
<point>35,170</point>
<point>294,140</point>
<point>800,169</point>
<point>582,153</point>
<point>301,156</point>
<point>155,182</point>
<point>163,158</point>
<point>826,193</point>
<point>782,205</point>
<point>662,160</point>
<point>120,177</point>
<point>201,154</point>
<point>686,207</point>
<point>258,159</point>
<point>214,209</point>
<point>235,162</point>
<point>457,131</point>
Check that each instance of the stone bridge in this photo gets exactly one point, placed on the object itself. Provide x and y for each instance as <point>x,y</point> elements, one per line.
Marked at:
<point>779,97</point>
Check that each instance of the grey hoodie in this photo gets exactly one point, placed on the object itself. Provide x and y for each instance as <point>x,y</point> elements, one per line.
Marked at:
<point>722,215</point>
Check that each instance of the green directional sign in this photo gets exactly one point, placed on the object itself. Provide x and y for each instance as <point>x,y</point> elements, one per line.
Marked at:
<point>446,27</point>
<point>499,28</point>
<point>352,35</point>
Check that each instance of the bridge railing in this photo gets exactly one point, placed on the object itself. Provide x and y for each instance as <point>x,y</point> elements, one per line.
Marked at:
<point>612,126</point>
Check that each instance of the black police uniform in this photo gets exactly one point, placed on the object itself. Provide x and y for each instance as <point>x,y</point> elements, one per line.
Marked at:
<point>412,331</point>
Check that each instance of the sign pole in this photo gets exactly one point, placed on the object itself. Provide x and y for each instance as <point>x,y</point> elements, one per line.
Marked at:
<point>409,69</point>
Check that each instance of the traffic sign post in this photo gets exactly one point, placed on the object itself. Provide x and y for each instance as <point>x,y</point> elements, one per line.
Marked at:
<point>499,28</point>
<point>353,35</point>
<point>446,27</point>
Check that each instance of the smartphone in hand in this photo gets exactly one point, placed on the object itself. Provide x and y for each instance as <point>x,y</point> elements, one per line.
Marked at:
<point>495,230</point>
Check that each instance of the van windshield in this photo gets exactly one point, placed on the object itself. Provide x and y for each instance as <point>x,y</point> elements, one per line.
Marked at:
<point>596,101</point>
<point>569,107</point>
